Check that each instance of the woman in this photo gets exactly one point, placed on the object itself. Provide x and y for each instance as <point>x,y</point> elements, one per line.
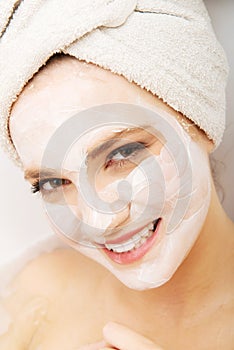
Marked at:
<point>177,277</point>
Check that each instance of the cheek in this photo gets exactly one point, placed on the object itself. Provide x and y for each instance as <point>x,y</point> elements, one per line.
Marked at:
<point>65,195</point>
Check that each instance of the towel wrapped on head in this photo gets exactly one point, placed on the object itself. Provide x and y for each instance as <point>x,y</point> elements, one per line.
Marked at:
<point>167,47</point>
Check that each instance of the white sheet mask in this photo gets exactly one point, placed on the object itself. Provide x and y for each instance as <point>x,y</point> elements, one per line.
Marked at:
<point>159,179</point>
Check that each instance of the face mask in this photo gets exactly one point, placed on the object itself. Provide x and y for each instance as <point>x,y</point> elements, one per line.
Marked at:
<point>140,190</point>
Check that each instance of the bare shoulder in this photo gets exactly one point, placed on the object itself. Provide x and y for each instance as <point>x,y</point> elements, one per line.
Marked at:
<point>51,279</point>
<point>50,273</point>
<point>47,288</point>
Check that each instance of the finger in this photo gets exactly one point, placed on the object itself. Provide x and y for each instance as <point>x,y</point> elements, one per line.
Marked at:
<point>124,338</point>
<point>95,346</point>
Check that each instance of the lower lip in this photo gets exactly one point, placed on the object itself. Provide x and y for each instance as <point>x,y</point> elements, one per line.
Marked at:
<point>135,254</point>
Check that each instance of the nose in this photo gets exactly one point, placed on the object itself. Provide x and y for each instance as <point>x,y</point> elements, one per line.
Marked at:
<point>118,220</point>
<point>98,212</point>
<point>102,223</point>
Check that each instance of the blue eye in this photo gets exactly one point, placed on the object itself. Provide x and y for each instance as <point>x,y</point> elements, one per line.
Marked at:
<point>48,185</point>
<point>124,153</point>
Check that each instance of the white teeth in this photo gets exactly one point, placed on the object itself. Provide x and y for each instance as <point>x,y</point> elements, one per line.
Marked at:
<point>145,232</point>
<point>150,233</point>
<point>143,240</point>
<point>121,248</point>
<point>126,247</point>
<point>138,245</point>
<point>134,242</point>
<point>151,226</point>
<point>136,238</point>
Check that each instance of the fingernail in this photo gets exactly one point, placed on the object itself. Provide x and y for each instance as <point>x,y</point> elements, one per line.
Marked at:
<point>109,327</point>
<point>94,346</point>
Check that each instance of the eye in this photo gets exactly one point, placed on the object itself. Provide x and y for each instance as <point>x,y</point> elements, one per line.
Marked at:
<point>53,184</point>
<point>124,153</point>
<point>49,185</point>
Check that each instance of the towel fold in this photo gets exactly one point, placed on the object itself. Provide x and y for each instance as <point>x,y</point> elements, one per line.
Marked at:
<point>166,47</point>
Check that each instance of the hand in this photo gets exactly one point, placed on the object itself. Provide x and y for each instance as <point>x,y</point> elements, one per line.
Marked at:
<point>120,337</point>
<point>123,338</point>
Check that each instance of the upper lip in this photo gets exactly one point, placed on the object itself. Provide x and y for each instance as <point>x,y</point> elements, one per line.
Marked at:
<point>126,236</point>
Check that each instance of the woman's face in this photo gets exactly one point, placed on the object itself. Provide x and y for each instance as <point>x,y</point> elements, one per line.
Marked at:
<point>132,189</point>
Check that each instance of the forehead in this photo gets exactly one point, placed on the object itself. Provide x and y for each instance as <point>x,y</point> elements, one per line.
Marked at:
<point>59,91</point>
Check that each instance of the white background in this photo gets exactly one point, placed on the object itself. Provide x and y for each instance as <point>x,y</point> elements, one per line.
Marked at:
<point>21,217</point>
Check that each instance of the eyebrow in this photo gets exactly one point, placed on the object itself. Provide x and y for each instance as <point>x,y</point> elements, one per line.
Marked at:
<point>104,144</point>
<point>108,141</point>
<point>35,173</point>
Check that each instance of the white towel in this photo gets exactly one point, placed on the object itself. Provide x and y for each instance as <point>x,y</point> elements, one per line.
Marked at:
<point>166,46</point>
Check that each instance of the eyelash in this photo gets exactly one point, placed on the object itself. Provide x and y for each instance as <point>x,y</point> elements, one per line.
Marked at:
<point>37,185</point>
<point>135,147</point>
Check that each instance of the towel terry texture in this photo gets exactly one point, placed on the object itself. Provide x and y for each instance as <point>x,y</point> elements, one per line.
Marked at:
<point>165,46</point>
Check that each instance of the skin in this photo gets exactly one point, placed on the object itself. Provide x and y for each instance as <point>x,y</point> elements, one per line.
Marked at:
<point>69,309</point>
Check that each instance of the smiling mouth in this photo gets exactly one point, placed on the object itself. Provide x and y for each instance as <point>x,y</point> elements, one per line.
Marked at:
<point>134,248</point>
